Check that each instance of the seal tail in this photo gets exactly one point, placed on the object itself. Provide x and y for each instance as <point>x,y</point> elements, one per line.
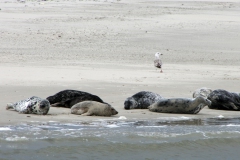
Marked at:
<point>9,106</point>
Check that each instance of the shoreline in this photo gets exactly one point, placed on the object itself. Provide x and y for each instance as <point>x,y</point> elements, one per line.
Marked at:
<point>138,116</point>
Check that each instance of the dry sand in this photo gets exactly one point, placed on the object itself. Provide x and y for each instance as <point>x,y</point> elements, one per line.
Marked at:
<point>107,47</point>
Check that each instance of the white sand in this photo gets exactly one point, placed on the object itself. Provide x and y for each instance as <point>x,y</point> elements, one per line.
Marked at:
<point>107,47</point>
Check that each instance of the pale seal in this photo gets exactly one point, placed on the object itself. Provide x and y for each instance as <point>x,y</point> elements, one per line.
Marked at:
<point>204,92</point>
<point>32,105</point>
<point>67,98</point>
<point>93,108</point>
<point>224,100</point>
<point>180,105</point>
<point>141,100</point>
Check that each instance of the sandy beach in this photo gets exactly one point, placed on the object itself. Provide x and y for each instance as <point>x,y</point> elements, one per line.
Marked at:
<point>107,47</point>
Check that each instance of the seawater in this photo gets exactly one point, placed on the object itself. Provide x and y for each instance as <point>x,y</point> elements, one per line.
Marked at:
<point>167,138</point>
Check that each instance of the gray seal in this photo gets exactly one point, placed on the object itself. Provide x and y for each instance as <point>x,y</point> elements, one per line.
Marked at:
<point>32,105</point>
<point>224,100</point>
<point>204,92</point>
<point>180,105</point>
<point>141,100</point>
<point>93,108</point>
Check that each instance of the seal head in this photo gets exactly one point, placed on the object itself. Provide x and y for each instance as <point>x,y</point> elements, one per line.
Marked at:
<point>141,100</point>
<point>130,103</point>
<point>43,107</point>
<point>204,92</point>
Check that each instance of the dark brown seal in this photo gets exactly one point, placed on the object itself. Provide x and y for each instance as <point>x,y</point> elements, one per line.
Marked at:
<point>67,98</point>
<point>224,100</point>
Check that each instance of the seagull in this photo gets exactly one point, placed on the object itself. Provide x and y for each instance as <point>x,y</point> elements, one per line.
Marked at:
<point>157,61</point>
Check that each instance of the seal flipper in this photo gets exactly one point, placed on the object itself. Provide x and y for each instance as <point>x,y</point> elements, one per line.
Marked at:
<point>233,106</point>
<point>9,106</point>
<point>87,114</point>
<point>198,108</point>
<point>58,104</point>
<point>224,106</point>
<point>25,111</point>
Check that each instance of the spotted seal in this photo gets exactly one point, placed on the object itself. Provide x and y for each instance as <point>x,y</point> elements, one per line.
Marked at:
<point>67,98</point>
<point>32,105</point>
<point>224,100</point>
<point>141,100</point>
<point>204,92</point>
<point>180,105</point>
<point>93,108</point>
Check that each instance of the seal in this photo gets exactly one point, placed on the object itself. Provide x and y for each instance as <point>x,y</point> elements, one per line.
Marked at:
<point>180,105</point>
<point>67,98</point>
<point>141,100</point>
<point>32,105</point>
<point>224,100</point>
<point>93,108</point>
<point>204,92</point>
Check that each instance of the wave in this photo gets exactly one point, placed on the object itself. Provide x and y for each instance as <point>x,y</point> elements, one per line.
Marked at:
<point>101,148</point>
<point>159,130</point>
<point>160,139</point>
